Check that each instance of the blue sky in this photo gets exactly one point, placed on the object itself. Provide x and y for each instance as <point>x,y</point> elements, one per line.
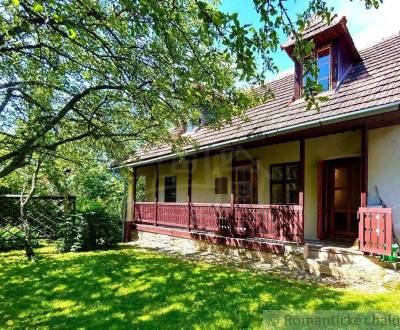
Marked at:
<point>366,26</point>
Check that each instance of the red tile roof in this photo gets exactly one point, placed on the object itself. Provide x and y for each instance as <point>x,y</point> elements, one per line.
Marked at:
<point>375,81</point>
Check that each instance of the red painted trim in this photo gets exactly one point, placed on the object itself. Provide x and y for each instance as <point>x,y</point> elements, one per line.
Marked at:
<point>190,170</point>
<point>157,192</point>
<point>325,48</point>
<point>364,166</point>
<point>272,247</point>
<point>284,180</point>
<point>211,204</point>
<point>375,230</point>
<point>301,172</point>
<point>281,222</point>
<point>337,31</point>
<point>134,191</point>
<point>301,181</point>
<point>233,178</point>
<point>297,81</point>
<point>127,231</point>
<point>252,165</point>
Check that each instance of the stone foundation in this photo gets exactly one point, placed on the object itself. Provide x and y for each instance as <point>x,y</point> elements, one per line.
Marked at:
<point>292,255</point>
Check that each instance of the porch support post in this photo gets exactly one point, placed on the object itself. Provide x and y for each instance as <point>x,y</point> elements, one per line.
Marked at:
<point>301,172</point>
<point>157,194</point>
<point>134,192</point>
<point>189,191</point>
<point>364,166</point>
<point>301,186</point>
<point>233,180</point>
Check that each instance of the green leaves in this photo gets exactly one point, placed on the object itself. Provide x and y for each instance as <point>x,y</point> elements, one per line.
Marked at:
<point>309,46</point>
<point>38,8</point>
<point>116,76</point>
<point>72,33</point>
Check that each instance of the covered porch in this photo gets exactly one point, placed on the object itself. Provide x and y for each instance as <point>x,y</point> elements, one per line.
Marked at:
<point>228,195</point>
<point>218,197</point>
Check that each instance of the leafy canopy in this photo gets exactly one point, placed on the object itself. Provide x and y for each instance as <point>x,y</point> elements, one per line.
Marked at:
<point>120,74</point>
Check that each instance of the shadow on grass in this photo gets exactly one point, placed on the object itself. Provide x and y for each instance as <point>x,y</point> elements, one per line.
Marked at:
<point>130,288</point>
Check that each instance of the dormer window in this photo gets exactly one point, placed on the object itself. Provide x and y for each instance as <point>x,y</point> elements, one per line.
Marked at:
<point>323,56</point>
<point>335,54</point>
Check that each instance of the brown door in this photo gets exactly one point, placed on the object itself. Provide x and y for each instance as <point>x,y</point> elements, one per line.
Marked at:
<point>246,183</point>
<point>343,196</point>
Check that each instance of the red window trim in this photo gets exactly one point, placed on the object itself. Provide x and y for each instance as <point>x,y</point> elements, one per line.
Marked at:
<point>254,179</point>
<point>283,181</point>
<point>315,53</point>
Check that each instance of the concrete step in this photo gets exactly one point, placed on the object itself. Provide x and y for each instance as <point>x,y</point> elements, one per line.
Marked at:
<point>342,256</point>
<point>318,267</point>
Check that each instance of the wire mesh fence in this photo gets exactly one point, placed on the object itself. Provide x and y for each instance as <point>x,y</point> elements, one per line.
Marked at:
<point>43,213</point>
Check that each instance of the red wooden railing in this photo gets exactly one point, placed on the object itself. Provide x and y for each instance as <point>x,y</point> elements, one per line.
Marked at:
<point>145,212</point>
<point>210,217</point>
<point>281,222</point>
<point>173,214</point>
<point>376,230</point>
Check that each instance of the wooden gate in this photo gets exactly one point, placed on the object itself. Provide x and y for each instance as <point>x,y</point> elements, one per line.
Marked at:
<point>376,230</point>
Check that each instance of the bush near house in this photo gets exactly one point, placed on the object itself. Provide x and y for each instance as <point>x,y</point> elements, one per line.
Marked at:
<point>94,228</point>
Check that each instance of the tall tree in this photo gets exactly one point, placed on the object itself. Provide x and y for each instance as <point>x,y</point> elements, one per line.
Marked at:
<point>122,73</point>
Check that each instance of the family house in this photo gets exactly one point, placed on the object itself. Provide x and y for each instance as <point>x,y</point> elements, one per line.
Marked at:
<point>290,175</point>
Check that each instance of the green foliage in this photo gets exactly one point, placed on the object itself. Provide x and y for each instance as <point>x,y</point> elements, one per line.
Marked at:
<point>117,75</point>
<point>97,185</point>
<point>122,74</point>
<point>73,229</point>
<point>98,192</point>
<point>93,229</point>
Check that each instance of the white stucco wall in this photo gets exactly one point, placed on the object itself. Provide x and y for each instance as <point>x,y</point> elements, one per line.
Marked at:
<point>384,168</point>
<point>205,170</point>
<point>129,199</point>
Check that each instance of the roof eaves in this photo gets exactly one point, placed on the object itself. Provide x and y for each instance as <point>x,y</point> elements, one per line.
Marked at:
<point>380,109</point>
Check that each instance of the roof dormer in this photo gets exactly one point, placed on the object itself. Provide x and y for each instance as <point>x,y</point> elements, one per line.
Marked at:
<point>335,52</point>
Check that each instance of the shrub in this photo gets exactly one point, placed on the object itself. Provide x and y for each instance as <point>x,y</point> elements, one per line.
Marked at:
<point>92,229</point>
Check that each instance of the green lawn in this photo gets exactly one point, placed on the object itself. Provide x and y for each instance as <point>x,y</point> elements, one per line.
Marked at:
<point>131,288</point>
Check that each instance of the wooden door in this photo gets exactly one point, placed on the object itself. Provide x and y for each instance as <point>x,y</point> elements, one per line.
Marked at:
<point>246,183</point>
<point>344,197</point>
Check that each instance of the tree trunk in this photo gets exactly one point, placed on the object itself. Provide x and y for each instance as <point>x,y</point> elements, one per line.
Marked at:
<point>30,253</point>
<point>26,225</point>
